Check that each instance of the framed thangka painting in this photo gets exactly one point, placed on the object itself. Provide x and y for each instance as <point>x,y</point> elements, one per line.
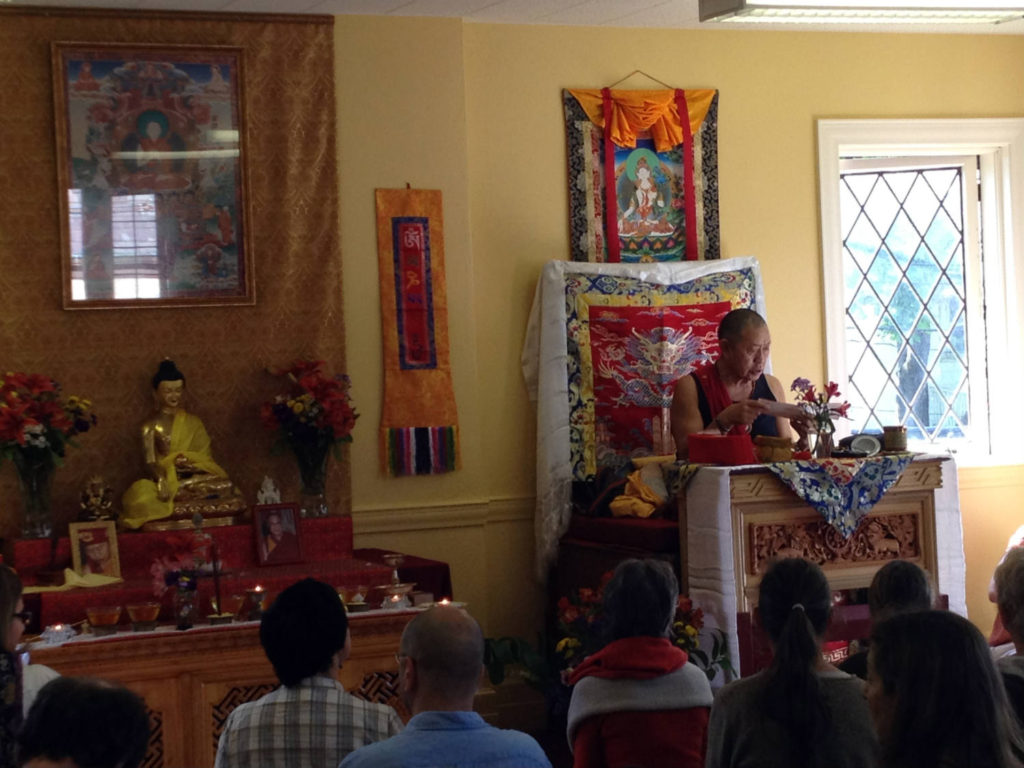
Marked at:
<point>643,181</point>
<point>151,171</point>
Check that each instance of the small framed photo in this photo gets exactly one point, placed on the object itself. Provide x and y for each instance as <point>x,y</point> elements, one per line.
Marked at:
<point>277,533</point>
<point>94,548</point>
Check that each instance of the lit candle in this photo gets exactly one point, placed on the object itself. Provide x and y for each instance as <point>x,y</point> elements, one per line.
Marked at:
<point>445,601</point>
<point>58,627</point>
<point>257,588</point>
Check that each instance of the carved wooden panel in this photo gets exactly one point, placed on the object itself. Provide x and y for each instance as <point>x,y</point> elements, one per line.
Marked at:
<point>877,539</point>
<point>234,696</point>
<point>381,687</point>
<point>155,751</point>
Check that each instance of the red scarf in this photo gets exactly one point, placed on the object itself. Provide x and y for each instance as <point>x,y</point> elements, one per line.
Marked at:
<point>636,658</point>
<point>716,394</point>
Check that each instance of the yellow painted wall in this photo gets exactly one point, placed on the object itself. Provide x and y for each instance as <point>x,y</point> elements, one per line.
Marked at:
<point>475,110</point>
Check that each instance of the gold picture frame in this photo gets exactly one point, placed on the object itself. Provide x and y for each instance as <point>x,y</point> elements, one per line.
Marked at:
<point>94,548</point>
<point>152,182</point>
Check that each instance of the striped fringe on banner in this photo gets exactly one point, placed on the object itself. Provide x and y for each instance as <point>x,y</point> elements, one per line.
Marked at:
<point>421,450</point>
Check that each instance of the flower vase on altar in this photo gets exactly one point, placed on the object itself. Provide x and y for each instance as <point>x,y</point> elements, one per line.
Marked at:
<point>185,605</point>
<point>820,412</point>
<point>36,426</point>
<point>311,420</point>
<point>826,433</point>
<point>35,479</point>
<point>312,461</point>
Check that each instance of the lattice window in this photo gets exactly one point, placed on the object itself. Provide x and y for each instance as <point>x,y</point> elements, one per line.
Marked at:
<point>904,246</point>
<point>923,269</point>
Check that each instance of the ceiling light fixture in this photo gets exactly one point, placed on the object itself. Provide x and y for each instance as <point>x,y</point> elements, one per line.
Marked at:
<point>861,11</point>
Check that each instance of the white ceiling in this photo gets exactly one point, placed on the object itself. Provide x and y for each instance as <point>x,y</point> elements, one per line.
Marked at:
<point>671,14</point>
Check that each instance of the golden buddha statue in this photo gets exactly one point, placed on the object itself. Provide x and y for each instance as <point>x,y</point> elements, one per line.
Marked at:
<point>184,477</point>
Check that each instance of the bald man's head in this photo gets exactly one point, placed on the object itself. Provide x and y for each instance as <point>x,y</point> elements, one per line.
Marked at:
<point>447,646</point>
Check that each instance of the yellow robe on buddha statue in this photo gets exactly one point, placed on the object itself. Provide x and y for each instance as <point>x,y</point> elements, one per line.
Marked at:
<point>140,503</point>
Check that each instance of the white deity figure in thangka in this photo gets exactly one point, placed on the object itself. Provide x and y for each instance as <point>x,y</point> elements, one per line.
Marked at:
<point>646,364</point>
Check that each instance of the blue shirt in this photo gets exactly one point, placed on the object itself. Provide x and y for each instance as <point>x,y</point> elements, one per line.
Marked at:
<point>450,740</point>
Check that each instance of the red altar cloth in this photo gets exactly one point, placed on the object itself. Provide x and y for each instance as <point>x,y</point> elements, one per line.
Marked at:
<point>326,551</point>
<point>323,539</point>
<point>432,576</point>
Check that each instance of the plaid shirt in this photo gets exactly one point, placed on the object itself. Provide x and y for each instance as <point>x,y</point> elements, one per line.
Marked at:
<point>314,724</point>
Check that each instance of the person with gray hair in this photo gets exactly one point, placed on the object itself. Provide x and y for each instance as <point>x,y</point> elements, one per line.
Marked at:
<point>637,701</point>
<point>440,664</point>
<point>1009,581</point>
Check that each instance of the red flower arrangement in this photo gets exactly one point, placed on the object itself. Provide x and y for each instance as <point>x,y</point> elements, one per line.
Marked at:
<point>317,410</point>
<point>819,405</point>
<point>314,417</point>
<point>36,424</point>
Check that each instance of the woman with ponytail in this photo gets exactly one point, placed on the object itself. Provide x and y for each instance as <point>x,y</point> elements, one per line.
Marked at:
<point>801,711</point>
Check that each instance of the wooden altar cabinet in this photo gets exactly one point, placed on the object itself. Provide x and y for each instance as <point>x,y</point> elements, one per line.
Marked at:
<point>192,680</point>
<point>733,519</point>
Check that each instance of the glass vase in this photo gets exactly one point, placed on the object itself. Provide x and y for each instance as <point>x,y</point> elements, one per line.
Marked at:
<point>35,479</point>
<point>826,434</point>
<point>312,461</point>
<point>185,608</point>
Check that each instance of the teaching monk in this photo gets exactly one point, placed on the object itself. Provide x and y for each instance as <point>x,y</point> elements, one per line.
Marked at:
<point>732,394</point>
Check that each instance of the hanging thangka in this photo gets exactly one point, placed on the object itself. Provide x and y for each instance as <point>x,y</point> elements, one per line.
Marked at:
<point>659,202</point>
<point>419,423</point>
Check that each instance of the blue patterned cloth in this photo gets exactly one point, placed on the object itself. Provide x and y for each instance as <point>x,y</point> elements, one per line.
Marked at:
<point>842,490</point>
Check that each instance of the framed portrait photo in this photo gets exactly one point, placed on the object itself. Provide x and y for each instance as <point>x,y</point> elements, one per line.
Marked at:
<point>276,527</point>
<point>94,548</point>
<point>151,163</point>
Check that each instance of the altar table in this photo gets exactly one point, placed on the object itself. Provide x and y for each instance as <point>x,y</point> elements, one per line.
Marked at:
<point>192,680</point>
<point>732,520</point>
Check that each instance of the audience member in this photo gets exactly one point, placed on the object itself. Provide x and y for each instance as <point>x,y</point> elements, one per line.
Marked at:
<point>935,695</point>
<point>440,665</point>
<point>899,586</point>
<point>1009,579</point>
<point>637,702</point>
<point>81,723</point>
<point>13,619</point>
<point>801,711</point>
<point>999,638</point>
<point>310,720</point>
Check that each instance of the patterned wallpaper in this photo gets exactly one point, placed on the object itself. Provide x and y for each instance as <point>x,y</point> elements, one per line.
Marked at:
<point>110,355</point>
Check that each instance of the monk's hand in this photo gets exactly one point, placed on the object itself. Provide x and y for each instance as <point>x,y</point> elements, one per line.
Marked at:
<point>802,426</point>
<point>742,412</point>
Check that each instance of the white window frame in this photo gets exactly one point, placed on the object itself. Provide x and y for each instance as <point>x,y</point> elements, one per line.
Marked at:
<point>999,143</point>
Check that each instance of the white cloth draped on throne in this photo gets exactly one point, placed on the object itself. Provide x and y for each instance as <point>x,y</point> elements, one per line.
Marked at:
<point>545,361</point>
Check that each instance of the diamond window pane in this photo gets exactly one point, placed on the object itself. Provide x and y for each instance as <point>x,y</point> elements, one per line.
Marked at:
<point>882,208</point>
<point>955,271</point>
<point>943,237</point>
<point>905,308</point>
<point>921,204</point>
<point>923,273</point>
<point>863,242</point>
<point>865,311</point>
<point>860,184</point>
<point>900,182</point>
<point>903,238</point>
<point>849,209</point>
<point>884,275</point>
